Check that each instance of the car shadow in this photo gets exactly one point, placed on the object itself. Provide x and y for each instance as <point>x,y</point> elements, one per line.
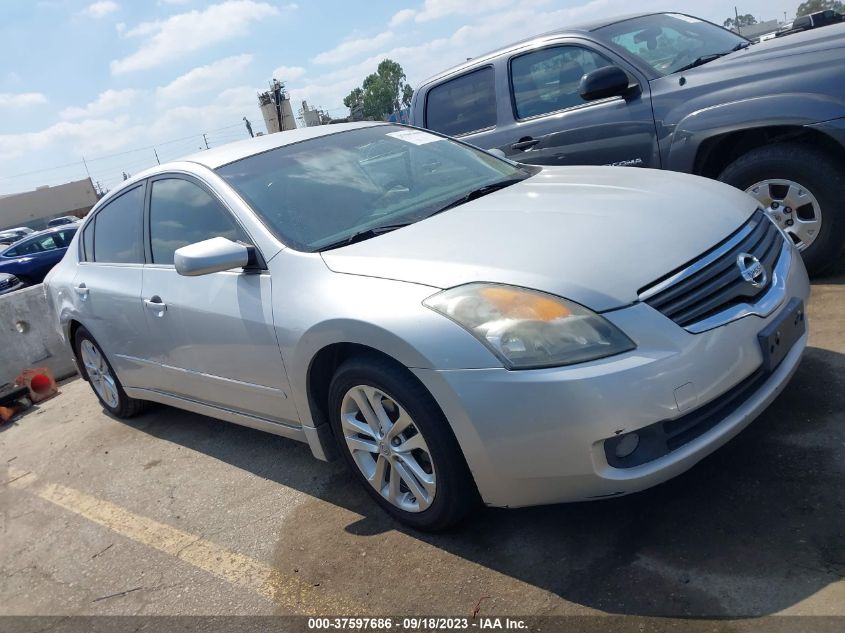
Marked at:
<point>753,529</point>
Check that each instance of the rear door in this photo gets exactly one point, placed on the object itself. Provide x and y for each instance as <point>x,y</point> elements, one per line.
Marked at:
<point>212,335</point>
<point>107,286</point>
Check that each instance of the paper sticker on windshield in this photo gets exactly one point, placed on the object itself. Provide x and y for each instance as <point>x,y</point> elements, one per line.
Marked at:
<point>686,18</point>
<point>417,137</point>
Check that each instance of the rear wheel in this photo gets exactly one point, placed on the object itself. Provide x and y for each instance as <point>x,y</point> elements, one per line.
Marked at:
<point>102,378</point>
<point>801,188</point>
<point>399,445</point>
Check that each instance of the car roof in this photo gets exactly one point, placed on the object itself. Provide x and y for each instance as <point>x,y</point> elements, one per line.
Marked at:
<point>575,30</point>
<point>225,154</point>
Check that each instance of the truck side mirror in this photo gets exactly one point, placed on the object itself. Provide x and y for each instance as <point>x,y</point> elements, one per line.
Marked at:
<point>609,81</point>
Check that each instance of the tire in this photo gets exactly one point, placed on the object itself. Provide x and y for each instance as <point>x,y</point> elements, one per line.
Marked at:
<point>816,172</point>
<point>111,396</point>
<point>398,392</point>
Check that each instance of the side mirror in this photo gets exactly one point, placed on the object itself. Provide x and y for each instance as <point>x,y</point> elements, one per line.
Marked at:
<point>210,256</point>
<point>609,81</point>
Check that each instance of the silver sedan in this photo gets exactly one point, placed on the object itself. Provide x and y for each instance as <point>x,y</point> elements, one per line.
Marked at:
<point>460,328</point>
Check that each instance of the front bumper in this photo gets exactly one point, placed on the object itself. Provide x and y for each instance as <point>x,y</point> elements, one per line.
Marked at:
<point>537,436</point>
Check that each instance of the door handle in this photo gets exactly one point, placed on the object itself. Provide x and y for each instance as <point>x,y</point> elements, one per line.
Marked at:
<point>82,291</point>
<point>525,143</point>
<point>155,304</point>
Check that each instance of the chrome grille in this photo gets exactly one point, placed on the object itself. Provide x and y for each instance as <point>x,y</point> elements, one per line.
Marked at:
<point>713,282</point>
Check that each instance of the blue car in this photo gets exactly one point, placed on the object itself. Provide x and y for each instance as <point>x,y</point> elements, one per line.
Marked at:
<point>31,258</point>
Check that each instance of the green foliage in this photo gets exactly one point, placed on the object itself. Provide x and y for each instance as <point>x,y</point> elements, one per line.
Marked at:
<point>354,98</point>
<point>740,21</point>
<point>812,6</point>
<point>383,92</point>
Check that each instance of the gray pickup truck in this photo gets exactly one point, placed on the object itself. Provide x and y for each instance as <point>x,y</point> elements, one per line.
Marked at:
<point>668,91</point>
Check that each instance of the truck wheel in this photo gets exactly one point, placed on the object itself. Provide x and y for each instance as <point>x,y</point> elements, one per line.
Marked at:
<point>801,188</point>
<point>398,444</point>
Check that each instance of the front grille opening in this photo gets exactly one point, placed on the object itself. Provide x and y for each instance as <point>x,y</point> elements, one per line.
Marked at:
<point>712,287</point>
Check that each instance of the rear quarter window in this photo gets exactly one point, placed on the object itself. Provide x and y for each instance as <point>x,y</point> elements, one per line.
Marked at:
<point>117,229</point>
<point>462,105</point>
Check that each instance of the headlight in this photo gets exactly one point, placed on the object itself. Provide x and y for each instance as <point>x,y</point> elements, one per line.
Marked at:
<point>530,329</point>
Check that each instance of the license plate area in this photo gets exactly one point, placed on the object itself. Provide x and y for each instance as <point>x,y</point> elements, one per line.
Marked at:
<point>778,337</point>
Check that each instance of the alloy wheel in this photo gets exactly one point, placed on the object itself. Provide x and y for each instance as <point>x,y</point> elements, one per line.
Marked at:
<point>99,374</point>
<point>388,448</point>
<point>793,208</point>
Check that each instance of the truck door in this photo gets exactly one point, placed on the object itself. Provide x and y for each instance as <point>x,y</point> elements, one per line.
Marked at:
<point>547,122</point>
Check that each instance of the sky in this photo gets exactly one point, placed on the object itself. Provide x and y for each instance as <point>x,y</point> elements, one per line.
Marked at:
<point>113,82</point>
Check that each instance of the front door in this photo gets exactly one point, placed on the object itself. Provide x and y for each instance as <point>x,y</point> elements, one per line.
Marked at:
<point>212,335</point>
<point>550,124</point>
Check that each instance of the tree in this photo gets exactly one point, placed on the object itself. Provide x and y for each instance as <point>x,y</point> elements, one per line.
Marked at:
<point>812,6</point>
<point>382,92</point>
<point>354,98</point>
<point>740,21</point>
<point>407,95</point>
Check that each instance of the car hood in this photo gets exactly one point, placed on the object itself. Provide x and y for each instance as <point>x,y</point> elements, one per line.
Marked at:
<point>595,235</point>
<point>807,48</point>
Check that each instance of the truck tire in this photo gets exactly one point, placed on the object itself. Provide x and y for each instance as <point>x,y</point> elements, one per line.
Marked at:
<point>801,187</point>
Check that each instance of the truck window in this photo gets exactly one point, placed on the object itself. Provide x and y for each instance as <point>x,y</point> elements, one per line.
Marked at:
<point>464,104</point>
<point>549,79</point>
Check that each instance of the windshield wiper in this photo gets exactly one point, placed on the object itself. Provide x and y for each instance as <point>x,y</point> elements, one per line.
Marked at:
<point>477,193</point>
<point>699,61</point>
<point>364,234</point>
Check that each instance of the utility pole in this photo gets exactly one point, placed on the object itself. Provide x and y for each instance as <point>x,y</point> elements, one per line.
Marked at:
<point>205,138</point>
<point>86,167</point>
<point>156,153</point>
<point>249,127</point>
<point>738,27</point>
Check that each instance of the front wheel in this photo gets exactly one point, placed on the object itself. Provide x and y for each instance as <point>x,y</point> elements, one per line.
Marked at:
<point>102,378</point>
<point>399,445</point>
<point>801,188</point>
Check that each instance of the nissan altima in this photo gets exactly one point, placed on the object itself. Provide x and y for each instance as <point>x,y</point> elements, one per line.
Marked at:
<point>458,327</point>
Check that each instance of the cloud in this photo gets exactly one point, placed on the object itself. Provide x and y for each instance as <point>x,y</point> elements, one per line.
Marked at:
<point>100,9</point>
<point>21,99</point>
<point>202,79</point>
<point>89,136</point>
<point>350,48</point>
<point>434,9</point>
<point>288,73</point>
<point>106,102</point>
<point>400,17</point>
<point>164,40</point>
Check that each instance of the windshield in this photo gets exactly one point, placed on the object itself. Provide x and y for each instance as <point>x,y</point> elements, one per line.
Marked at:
<point>669,42</point>
<point>318,193</point>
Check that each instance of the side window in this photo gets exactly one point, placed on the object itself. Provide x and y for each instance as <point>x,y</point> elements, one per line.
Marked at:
<point>27,248</point>
<point>48,243</point>
<point>117,229</point>
<point>183,213</point>
<point>549,79</point>
<point>464,104</point>
<point>88,241</point>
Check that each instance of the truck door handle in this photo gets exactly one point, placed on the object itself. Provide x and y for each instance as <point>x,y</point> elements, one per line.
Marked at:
<point>155,304</point>
<point>82,291</point>
<point>525,143</point>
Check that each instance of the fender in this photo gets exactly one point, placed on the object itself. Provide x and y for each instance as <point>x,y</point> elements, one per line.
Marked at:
<point>788,109</point>
<point>396,346</point>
